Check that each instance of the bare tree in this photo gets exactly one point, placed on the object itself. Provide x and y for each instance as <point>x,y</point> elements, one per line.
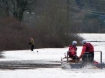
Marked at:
<point>16,7</point>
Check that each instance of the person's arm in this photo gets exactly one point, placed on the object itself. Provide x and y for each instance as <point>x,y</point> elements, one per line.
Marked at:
<point>83,50</point>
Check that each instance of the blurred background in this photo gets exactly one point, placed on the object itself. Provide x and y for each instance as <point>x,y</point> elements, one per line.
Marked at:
<point>51,23</point>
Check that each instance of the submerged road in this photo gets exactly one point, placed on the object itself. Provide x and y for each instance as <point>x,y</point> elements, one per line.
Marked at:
<point>29,64</point>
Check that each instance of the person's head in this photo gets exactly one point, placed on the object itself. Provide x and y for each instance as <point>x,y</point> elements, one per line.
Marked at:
<point>31,38</point>
<point>83,42</point>
<point>74,42</point>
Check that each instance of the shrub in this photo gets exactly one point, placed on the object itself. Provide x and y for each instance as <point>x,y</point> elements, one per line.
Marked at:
<point>15,36</point>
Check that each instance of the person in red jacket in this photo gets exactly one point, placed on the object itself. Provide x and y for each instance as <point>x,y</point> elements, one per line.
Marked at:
<point>73,51</point>
<point>87,51</point>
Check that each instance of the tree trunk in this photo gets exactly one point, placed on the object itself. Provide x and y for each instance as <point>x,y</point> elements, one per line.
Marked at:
<point>7,12</point>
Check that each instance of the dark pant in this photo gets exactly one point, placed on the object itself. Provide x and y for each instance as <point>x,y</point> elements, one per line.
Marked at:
<point>73,57</point>
<point>32,47</point>
<point>88,57</point>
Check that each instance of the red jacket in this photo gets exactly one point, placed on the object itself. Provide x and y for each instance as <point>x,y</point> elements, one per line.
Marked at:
<point>72,50</point>
<point>87,47</point>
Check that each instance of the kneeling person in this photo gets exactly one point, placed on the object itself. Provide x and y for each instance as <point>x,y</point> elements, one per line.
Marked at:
<point>73,51</point>
<point>87,53</point>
